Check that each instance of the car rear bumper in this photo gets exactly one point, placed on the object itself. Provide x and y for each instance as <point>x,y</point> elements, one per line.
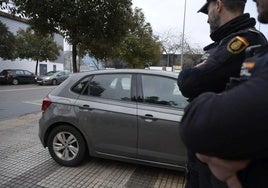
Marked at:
<point>44,82</point>
<point>5,80</point>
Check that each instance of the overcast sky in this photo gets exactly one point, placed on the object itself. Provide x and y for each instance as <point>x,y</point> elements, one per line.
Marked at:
<point>165,16</point>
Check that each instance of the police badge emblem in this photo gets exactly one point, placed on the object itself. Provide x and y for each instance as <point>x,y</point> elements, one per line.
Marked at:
<point>237,45</point>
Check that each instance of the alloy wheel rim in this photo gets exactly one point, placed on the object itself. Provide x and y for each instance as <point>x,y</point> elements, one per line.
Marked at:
<point>15,82</point>
<point>65,146</point>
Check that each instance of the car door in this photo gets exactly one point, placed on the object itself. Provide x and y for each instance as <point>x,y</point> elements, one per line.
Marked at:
<point>65,75</point>
<point>19,75</point>
<point>28,77</point>
<point>109,115</point>
<point>61,76</point>
<point>159,115</point>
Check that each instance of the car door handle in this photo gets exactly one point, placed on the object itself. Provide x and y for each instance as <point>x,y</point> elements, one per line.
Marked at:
<point>85,107</point>
<point>149,117</point>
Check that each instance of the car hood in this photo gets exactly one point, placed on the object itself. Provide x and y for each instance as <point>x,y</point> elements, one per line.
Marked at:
<point>44,77</point>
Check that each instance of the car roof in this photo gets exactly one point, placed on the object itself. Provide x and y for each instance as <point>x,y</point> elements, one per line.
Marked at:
<point>58,71</point>
<point>53,71</point>
<point>76,76</point>
<point>14,69</point>
<point>140,71</point>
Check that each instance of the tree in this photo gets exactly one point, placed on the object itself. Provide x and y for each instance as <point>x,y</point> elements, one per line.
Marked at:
<point>139,47</point>
<point>32,45</point>
<point>7,43</point>
<point>96,26</point>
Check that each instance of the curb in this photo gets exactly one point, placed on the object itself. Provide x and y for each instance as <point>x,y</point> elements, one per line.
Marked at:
<point>20,120</point>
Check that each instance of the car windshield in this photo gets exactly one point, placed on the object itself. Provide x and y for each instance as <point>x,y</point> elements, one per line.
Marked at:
<point>50,73</point>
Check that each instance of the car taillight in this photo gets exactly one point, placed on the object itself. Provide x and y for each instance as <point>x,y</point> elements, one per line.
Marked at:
<point>9,75</point>
<point>46,103</point>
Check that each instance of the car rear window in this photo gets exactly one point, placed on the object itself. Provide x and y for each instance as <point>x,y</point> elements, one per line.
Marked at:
<point>79,88</point>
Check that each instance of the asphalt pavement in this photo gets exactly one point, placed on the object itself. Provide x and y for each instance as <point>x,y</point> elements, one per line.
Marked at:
<point>21,99</point>
<point>25,163</point>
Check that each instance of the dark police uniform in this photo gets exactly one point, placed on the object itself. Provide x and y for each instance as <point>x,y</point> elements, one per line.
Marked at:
<point>223,59</point>
<point>234,124</point>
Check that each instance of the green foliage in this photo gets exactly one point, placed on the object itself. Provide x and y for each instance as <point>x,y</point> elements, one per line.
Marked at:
<point>32,45</point>
<point>94,26</point>
<point>139,46</point>
<point>7,43</point>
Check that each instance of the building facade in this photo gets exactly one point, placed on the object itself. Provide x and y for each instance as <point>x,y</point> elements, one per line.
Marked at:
<point>15,24</point>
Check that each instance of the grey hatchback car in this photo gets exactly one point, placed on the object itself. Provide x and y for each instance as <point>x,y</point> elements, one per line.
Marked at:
<point>129,115</point>
<point>52,78</point>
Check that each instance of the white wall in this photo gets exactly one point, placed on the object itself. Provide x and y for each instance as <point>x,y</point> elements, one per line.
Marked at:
<point>27,65</point>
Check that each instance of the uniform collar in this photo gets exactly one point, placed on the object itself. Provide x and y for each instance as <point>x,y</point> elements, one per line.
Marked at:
<point>239,23</point>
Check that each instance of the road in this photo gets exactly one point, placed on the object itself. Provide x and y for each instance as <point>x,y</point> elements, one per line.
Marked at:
<point>21,99</point>
<point>25,163</point>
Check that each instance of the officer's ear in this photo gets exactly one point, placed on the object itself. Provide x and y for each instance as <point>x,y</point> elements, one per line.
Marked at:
<point>219,5</point>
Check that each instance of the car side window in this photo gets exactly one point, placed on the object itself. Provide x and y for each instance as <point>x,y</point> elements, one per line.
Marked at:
<point>19,72</point>
<point>81,87</point>
<point>111,86</point>
<point>66,73</point>
<point>27,73</point>
<point>162,91</point>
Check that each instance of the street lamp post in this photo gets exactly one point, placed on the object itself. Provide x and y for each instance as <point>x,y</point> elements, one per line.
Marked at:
<point>183,30</point>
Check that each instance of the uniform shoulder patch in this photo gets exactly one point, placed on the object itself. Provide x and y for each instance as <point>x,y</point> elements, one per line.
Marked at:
<point>246,67</point>
<point>237,45</point>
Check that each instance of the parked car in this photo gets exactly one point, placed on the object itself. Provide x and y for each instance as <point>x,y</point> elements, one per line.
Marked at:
<point>16,76</point>
<point>52,78</point>
<point>123,114</point>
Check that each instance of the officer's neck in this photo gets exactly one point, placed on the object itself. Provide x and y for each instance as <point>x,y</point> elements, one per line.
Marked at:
<point>227,16</point>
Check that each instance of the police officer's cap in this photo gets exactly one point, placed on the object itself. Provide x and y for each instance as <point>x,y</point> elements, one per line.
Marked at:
<point>204,8</point>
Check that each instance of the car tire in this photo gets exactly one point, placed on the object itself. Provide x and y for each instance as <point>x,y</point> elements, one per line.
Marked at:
<point>54,82</point>
<point>15,81</point>
<point>66,146</point>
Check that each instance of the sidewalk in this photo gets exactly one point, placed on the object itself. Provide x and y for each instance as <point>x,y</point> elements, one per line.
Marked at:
<point>25,163</point>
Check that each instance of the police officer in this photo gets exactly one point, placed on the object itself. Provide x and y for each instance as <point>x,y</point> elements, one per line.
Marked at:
<point>232,32</point>
<point>232,125</point>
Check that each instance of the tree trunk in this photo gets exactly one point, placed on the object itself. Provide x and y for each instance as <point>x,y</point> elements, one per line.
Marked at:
<point>36,66</point>
<point>74,53</point>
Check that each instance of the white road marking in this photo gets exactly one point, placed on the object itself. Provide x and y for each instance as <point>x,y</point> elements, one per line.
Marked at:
<point>33,102</point>
<point>23,89</point>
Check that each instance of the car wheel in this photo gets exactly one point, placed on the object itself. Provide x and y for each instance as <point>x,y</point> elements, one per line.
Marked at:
<point>54,82</point>
<point>66,146</point>
<point>15,81</point>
